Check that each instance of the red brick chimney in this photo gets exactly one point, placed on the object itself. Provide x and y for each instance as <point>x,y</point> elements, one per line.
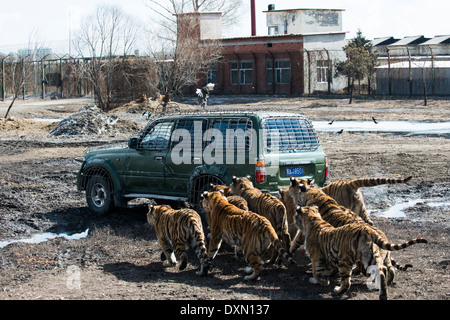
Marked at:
<point>253,15</point>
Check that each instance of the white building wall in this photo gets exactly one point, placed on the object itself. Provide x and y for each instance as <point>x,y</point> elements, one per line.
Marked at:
<point>210,25</point>
<point>321,48</point>
<point>323,40</point>
<point>303,21</point>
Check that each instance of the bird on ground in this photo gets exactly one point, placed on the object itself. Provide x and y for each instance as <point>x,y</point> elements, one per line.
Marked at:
<point>203,94</point>
<point>374,120</point>
<point>147,114</point>
<point>331,122</point>
<point>340,131</point>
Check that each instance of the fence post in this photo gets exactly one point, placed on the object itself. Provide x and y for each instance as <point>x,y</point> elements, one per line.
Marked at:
<point>389,72</point>
<point>410,72</point>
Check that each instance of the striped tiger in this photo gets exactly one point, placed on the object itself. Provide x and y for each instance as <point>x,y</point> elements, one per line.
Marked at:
<point>252,232</point>
<point>238,201</point>
<point>336,215</point>
<point>347,193</point>
<point>332,249</point>
<point>217,187</point>
<point>266,205</point>
<point>177,230</point>
<point>290,205</point>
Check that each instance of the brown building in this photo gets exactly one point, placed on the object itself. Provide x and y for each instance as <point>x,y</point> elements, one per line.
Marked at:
<point>261,65</point>
<point>296,57</point>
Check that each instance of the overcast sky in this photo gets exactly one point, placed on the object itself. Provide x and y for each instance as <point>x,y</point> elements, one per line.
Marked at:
<point>52,20</point>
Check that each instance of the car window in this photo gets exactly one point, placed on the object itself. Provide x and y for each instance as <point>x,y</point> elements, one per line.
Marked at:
<point>239,130</point>
<point>156,137</point>
<point>195,129</point>
<point>289,135</point>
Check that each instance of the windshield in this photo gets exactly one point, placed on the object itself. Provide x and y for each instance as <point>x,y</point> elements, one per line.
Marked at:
<point>293,134</point>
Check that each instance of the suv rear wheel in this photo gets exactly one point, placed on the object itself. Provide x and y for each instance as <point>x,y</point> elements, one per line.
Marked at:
<point>99,195</point>
<point>201,184</point>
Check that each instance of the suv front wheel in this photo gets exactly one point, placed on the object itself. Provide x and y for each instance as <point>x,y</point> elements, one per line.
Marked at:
<point>99,195</point>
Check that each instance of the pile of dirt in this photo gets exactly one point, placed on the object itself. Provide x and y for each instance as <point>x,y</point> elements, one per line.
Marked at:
<point>137,106</point>
<point>90,120</point>
<point>16,124</point>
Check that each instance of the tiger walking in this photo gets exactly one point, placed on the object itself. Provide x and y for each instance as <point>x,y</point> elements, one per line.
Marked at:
<point>252,232</point>
<point>265,205</point>
<point>177,230</point>
<point>340,248</point>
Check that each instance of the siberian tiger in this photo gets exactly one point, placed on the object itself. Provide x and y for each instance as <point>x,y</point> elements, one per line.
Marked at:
<point>238,201</point>
<point>290,205</point>
<point>266,205</point>
<point>217,187</point>
<point>176,230</point>
<point>336,215</point>
<point>347,193</point>
<point>252,232</point>
<point>332,249</point>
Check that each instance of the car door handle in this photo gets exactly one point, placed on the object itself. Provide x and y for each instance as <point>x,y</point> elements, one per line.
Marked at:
<point>158,158</point>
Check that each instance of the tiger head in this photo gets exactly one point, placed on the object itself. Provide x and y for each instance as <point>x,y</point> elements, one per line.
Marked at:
<point>153,211</point>
<point>210,199</point>
<point>305,214</point>
<point>301,192</point>
<point>217,187</point>
<point>240,184</point>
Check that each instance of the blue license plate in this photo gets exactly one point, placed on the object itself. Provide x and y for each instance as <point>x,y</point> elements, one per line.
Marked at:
<point>295,171</point>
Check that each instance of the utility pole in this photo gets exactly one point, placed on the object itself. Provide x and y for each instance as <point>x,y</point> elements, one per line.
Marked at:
<point>410,72</point>
<point>43,80</point>
<point>389,72</point>
<point>3,78</point>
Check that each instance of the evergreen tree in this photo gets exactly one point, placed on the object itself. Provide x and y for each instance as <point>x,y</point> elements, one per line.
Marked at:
<point>361,61</point>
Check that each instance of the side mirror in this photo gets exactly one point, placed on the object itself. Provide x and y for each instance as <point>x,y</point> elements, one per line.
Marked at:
<point>133,143</point>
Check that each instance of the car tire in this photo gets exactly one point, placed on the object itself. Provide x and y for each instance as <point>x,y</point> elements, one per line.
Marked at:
<point>198,205</point>
<point>99,195</point>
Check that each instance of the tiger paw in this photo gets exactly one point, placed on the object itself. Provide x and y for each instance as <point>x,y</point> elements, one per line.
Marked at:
<point>340,289</point>
<point>182,264</point>
<point>323,282</point>
<point>172,259</point>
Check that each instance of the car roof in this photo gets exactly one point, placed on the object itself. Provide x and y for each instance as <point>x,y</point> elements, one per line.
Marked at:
<point>234,114</point>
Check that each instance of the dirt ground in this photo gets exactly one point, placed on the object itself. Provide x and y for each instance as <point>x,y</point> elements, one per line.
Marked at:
<point>120,257</point>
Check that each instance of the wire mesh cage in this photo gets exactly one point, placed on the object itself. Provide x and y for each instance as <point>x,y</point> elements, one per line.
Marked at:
<point>284,134</point>
<point>200,185</point>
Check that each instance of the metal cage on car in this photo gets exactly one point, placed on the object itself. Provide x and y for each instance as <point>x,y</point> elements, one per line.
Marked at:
<point>284,134</point>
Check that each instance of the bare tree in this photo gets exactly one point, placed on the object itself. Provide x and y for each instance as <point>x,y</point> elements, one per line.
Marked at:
<point>104,36</point>
<point>19,69</point>
<point>182,59</point>
<point>183,62</point>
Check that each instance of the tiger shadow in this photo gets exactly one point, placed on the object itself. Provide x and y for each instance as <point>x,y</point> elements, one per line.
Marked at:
<point>276,282</point>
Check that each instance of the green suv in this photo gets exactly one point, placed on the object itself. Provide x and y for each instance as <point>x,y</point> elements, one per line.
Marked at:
<point>177,157</point>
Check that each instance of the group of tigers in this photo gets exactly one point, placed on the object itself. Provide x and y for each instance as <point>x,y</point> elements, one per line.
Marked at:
<point>331,222</point>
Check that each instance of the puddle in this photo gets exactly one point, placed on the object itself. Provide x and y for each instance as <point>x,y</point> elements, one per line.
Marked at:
<point>416,127</point>
<point>41,237</point>
<point>398,210</point>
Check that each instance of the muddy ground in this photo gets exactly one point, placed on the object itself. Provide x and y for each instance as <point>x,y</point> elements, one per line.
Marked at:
<point>120,257</point>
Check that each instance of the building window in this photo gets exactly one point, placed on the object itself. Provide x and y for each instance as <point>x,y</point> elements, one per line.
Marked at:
<point>211,75</point>
<point>282,72</point>
<point>273,31</point>
<point>245,72</point>
<point>322,71</point>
